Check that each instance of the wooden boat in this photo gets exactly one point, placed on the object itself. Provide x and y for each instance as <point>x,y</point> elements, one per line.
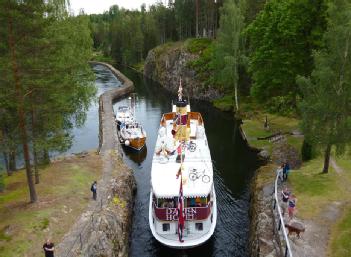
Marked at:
<point>182,206</point>
<point>132,135</point>
<point>130,132</point>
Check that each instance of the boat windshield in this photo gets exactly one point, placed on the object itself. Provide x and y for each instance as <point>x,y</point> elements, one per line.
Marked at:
<point>123,108</point>
<point>188,202</point>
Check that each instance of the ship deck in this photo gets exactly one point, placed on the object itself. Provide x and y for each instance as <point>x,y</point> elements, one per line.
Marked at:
<point>197,172</point>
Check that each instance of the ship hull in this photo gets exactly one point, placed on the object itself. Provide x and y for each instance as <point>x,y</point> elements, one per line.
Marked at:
<point>188,243</point>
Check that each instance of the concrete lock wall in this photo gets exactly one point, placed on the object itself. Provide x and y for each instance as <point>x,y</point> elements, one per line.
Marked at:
<point>103,229</point>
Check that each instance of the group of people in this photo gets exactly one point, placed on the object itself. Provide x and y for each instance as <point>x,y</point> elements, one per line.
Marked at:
<point>283,171</point>
<point>288,203</point>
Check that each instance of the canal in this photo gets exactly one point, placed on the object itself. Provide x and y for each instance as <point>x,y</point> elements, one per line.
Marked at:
<point>234,165</point>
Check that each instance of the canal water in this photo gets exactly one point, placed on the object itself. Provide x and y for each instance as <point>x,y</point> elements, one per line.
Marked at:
<point>234,166</point>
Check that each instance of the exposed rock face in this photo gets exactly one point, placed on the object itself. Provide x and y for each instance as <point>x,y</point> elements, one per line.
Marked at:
<point>167,65</point>
<point>263,241</point>
<point>283,152</point>
<point>103,230</point>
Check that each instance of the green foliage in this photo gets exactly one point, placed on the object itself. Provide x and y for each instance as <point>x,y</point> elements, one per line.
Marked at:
<point>229,47</point>
<point>306,151</point>
<point>280,105</point>
<point>46,78</point>
<point>197,45</point>
<point>203,64</point>
<point>225,103</point>
<point>325,108</point>
<point>281,39</point>
<point>157,25</point>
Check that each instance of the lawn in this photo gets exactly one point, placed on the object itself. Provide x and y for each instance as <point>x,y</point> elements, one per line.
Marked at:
<point>315,191</point>
<point>253,127</point>
<point>340,245</point>
<point>64,192</point>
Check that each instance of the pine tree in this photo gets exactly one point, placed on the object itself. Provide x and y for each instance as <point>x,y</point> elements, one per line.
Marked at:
<point>326,109</point>
<point>46,77</point>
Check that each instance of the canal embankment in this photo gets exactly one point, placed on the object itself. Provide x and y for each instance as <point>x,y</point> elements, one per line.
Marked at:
<point>277,140</point>
<point>104,228</point>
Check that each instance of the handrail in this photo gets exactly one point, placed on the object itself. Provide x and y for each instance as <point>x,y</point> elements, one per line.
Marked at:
<point>281,220</point>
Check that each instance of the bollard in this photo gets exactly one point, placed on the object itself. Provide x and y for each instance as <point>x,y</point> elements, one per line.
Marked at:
<point>280,224</point>
<point>286,250</point>
<point>80,239</point>
<point>275,202</point>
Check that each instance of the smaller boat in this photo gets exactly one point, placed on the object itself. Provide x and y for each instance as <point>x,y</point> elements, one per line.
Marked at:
<point>123,116</point>
<point>130,132</point>
<point>132,135</point>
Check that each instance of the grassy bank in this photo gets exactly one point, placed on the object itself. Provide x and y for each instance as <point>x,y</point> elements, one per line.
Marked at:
<point>64,192</point>
<point>253,127</point>
<point>318,192</point>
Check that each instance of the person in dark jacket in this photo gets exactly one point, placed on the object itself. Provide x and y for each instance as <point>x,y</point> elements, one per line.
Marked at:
<point>49,248</point>
<point>93,189</point>
<point>286,169</point>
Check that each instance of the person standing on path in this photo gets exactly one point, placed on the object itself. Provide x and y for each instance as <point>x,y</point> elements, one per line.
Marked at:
<point>286,169</point>
<point>279,173</point>
<point>285,198</point>
<point>94,189</point>
<point>49,248</point>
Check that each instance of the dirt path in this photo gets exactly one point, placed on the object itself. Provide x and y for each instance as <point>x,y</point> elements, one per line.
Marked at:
<point>314,241</point>
<point>335,166</point>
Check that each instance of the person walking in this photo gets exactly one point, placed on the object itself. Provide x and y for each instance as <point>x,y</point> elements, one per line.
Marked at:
<point>285,198</point>
<point>49,248</point>
<point>279,173</point>
<point>93,189</point>
<point>291,206</point>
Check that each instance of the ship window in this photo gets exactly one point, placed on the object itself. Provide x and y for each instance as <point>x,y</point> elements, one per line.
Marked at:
<point>199,226</point>
<point>166,227</point>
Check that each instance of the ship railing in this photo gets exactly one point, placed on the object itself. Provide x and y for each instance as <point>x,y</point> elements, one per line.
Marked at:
<point>283,235</point>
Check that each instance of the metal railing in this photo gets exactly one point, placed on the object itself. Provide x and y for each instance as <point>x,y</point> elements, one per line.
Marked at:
<point>281,225</point>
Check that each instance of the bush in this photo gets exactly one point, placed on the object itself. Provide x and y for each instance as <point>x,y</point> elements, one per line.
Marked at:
<point>306,151</point>
<point>197,45</point>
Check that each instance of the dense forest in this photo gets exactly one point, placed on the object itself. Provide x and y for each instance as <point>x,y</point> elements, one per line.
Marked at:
<point>290,57</point>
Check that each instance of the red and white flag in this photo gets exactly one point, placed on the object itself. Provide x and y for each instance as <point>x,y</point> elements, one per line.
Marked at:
<point>181,212</point>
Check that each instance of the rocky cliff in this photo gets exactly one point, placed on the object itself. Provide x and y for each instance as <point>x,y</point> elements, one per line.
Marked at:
<point>167,63</point>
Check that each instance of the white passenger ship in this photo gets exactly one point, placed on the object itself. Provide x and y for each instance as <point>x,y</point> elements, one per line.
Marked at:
<point>182,209</point>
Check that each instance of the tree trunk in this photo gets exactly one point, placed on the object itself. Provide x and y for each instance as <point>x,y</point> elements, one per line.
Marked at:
<point>6,161</point>
<point>236,97</point>
<point>35,155</point>
<point>45,158</point>
<point>12,160</point>
<point>197,19</point>
<point>326,158</point>
<point>21,112</point>
<point>35,165</point>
